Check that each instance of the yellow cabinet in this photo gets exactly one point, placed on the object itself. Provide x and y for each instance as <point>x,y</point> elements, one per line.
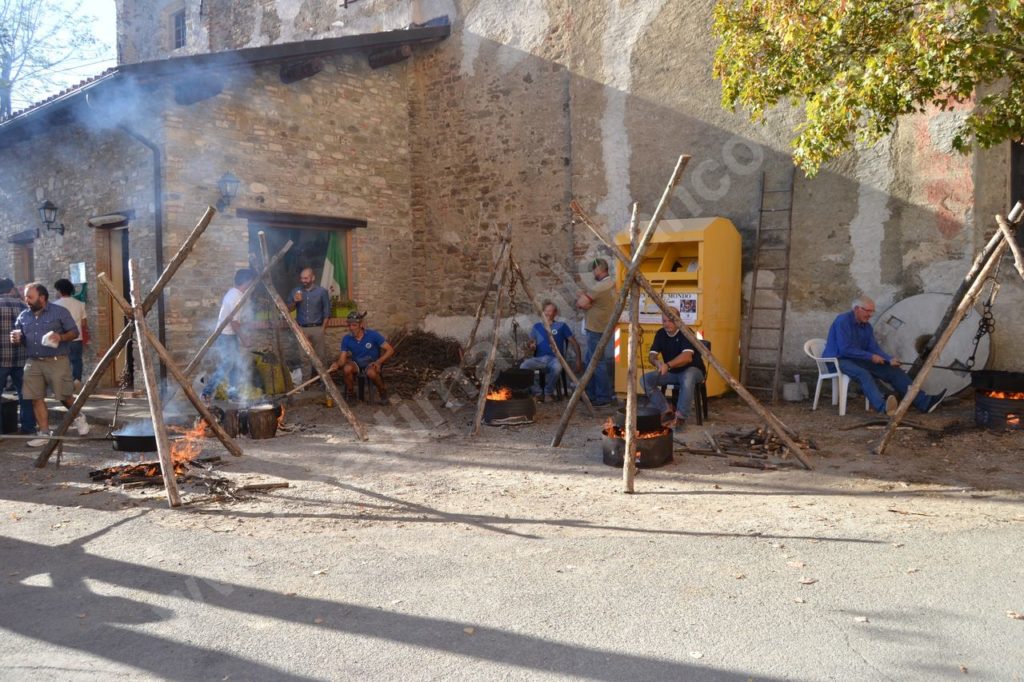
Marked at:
<point>696,264</point>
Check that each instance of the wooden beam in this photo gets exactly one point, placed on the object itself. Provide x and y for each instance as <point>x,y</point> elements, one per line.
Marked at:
<point>175,371</point>
<point>506,244</point>
<point>485,380</point>
<point>629,458</point>
<point>156,410</point>
<point>1011,241</point>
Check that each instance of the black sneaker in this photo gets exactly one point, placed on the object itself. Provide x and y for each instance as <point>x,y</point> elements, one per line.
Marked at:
<point>933,401</point>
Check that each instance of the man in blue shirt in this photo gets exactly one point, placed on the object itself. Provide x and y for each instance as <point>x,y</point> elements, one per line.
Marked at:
<point>312,304</point>
<point>851,338</point>
<point>544,357</point>
<point>46,331</point>
<point>362,350</point>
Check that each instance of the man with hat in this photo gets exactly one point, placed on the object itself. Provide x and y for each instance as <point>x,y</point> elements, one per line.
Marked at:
<point>363,351</point>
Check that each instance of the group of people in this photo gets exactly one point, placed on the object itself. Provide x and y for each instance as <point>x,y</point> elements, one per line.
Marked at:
<point>362,352</point>
<point>41,348</point>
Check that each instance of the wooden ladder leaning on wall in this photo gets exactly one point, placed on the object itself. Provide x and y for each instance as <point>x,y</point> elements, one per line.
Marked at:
<point>764,330</point>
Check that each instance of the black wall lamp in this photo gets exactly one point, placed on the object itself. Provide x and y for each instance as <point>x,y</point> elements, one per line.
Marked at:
<point>48,212</point>
<point>228,186</point>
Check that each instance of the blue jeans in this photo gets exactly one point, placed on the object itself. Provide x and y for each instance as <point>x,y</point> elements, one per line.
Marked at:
<point>864,372</point>
<point>75,356</point>
<point>551,367</point>
<point>600,389</point>
<point>28,418</point>
<point>686,380</point>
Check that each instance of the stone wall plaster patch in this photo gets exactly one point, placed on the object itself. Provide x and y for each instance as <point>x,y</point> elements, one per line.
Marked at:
<point>874,173</point>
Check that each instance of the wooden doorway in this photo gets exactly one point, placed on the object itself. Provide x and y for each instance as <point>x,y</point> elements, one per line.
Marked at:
<point>113,254</point>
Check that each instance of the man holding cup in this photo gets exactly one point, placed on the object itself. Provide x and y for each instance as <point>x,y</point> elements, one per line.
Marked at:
<point>313,306</point>
<point>46,332</point>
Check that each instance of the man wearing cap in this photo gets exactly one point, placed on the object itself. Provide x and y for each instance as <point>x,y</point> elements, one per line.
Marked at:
<point>598,303</point>
<point>12,357</point>
<point>46,331</point>
<point>312,304</point>
<point>362,351</point>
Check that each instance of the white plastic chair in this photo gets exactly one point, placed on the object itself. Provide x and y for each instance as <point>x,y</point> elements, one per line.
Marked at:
<point>828,368</point>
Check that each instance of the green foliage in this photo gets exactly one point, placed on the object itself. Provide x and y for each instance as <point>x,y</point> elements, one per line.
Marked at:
<point>37,37</point>
<point>857,65</point>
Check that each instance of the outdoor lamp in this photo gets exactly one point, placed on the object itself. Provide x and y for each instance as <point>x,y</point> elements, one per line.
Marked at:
<point>48,212</point>
<point>228,186</point>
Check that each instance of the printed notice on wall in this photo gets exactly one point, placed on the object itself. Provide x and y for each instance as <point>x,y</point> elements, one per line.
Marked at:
<point>651,314</point>
<point>77,272</point>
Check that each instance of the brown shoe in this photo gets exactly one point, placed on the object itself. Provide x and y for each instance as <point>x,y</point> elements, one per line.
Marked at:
<point>384,398</point>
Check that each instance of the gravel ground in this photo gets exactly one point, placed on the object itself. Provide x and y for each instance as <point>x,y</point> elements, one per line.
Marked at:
<point>427,554</point>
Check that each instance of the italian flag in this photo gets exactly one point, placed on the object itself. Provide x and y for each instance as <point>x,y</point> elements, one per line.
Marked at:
<point>335,279</point>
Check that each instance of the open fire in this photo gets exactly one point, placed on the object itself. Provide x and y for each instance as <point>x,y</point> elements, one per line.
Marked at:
<point>499,393</point>
<point>1005,395</point>
<point>998,399</point>
<point>613,431</point>
<point>653,448</point>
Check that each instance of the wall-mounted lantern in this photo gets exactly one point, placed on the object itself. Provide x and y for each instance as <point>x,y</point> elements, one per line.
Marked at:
<point>48,213</point>
<point>228,186</point>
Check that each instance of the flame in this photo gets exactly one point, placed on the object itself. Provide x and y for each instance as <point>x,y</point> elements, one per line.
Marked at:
<point>1013,420</point>
<point>184,450</point>
<point>1005,395</point>
<point>503,393</point>
<point>280,418</point>
<point>612,431</point>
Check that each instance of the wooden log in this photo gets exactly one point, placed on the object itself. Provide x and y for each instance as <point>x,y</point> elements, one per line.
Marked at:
<point>485,381</point>
<point>969,299</point>
<point>630,446</point>
<point>547,330</point>
<point>261,487</point>
<point>156,410</point>
<point>307,348</point>
<point>172,368</point>
<point>776,424</point>
<point>304,384</point>
<point>262,422</point>
<point>979,261</point>
<point>1011,241</point>
<point>632,269</point>
<point>506,244</point>
<point>122,338</point>
<point>278,349</point>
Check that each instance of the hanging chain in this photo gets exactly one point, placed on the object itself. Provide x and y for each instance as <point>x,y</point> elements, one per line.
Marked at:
<point>513,307</point>
<point>122,386</point>
<point>987,323</point>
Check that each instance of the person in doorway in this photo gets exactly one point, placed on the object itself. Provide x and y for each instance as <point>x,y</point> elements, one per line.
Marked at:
<point>313,306</point>
<point>65,299</point>
<point>851,338</point>
<point>232,362</point>
<point>543,355</point>
<point>678,364</point>
<point>12,357</point>
<point>363,351</point>
<point>598,303</point>
<point>46,330</point>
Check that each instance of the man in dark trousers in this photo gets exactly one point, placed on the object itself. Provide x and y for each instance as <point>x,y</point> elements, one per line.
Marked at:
<point>678,363</point>
<point>12,357</point>
<point>851,338</point>
<point>313,306</point>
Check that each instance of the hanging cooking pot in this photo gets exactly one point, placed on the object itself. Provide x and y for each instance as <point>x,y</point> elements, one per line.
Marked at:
<point>134,442</point>
<point>515,379</point>
<point>647,418</point>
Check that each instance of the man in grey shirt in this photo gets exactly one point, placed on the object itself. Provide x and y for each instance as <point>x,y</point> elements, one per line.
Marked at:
<point>313,306</point>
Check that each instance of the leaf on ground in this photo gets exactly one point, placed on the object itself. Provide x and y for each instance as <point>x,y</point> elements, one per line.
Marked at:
<point>696,654</point>
<point>740,576</point>
<point>469,631</point>
<point>862,619</point>
<point>795,564</point>
<point>913,570</point>
<point>1015,615</point>
<point>322,571</point>
<point>808,581</point>
<point>318,621</point>
<point>800,600</point>
<point>963,669</point>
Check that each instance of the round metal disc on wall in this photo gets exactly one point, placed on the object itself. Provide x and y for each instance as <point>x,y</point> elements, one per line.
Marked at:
<point>904,329</point>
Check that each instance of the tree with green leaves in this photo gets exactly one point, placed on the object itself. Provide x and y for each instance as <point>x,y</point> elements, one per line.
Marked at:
<point>37,39</point>
<point>856,66</point>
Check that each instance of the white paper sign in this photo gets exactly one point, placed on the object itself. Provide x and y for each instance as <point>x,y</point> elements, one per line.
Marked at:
<point>651,313</point>
<point>77,273</point>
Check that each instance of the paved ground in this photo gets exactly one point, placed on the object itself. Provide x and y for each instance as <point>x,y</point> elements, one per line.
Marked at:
<point>424,554</point>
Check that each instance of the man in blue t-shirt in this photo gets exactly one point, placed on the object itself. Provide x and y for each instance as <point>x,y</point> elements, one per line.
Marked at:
<point>362,350</point>
<point>678,363</point>
<point>544,357</point>
<point>851,338</point>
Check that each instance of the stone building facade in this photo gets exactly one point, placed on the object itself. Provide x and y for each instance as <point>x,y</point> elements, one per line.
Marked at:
<point>526,106</point>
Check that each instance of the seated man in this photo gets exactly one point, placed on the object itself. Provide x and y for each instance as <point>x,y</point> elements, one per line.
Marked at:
<point>544,357</point>
<point>851,338</point>
<point>680,364</point>
<point>362,350</point>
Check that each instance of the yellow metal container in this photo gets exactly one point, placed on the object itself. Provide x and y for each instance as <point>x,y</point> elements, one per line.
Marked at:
<point>696,264</point>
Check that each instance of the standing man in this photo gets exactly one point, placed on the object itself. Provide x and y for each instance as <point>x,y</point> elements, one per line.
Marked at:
<point>544,357</point>
<point>66,291</point>
<point>12,357</point>
<point>313,304</point>
<point>680,365</point>
<point>362,350</point>
<point>231,364</point>
<point>851,338</point>
<point>598,302</point>
<point>45,331</point>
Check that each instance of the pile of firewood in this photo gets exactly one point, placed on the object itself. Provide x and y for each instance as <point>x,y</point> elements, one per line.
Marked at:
<point>761,441</point>
<point>420,357</point>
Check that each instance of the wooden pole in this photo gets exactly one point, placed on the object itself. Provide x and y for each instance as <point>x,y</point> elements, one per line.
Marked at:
<point>629,455</point>
<point>122,338</point>
<point>278,350</point>
<point>485,381</point>
<point>979,261</point>
<point>172,367</point>
<point>1011,241</point>
<point>156,410</point>
<point>632,269</point>
<point>308,349</point>
<point>965,306</point>
<point>547,329</point>
<point>506,244</point>
<point>773,422</point>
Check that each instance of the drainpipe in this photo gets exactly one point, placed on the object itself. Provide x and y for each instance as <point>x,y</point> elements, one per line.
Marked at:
<point>158,226</point>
